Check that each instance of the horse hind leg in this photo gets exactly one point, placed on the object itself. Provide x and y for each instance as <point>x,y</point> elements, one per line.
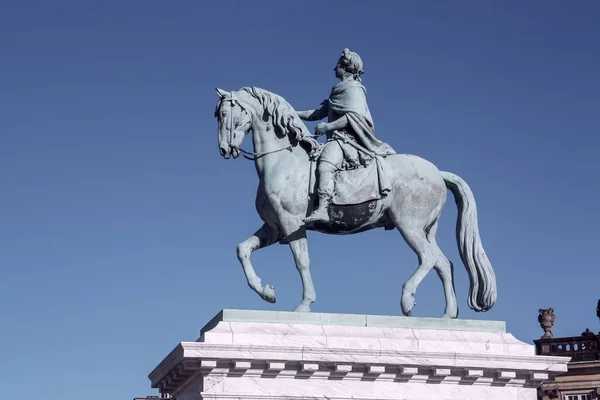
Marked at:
<point>414,235</point>
<point>265,236</point>
<point>445,271</point>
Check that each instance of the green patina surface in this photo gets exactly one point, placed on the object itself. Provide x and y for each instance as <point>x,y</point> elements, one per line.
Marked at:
<point>379,321</point>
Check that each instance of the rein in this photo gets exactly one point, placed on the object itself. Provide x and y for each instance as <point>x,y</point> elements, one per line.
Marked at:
<point>249,155</point>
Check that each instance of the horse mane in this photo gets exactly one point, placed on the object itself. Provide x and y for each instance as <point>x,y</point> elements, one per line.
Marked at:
<point>285,119</point>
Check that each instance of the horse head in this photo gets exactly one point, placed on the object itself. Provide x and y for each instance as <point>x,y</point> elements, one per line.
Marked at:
<point>269,115</point>
<point>235,122</point>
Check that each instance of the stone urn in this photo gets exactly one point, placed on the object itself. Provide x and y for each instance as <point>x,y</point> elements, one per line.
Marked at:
<point>546,319</point>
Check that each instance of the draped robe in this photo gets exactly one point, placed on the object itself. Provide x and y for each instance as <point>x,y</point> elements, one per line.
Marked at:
<point>349,98</point>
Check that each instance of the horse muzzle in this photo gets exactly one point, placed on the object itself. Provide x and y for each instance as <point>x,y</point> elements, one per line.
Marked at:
<point>228,151</point>
<point>225,153</point>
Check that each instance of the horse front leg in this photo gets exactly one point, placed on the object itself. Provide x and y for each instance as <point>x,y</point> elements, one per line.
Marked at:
<point>265,236</point>
<point>295,234</point>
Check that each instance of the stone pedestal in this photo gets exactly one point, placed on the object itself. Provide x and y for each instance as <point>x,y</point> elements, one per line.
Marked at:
<point>283,355</point>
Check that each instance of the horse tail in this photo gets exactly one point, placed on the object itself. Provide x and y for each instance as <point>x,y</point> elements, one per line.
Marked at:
<point>482,293</point>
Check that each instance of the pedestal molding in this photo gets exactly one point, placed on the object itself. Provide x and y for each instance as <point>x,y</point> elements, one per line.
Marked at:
<point>352,364</point>
<point>258,360</point>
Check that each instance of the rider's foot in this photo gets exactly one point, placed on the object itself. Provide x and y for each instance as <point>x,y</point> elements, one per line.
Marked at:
<point>321,214</point>
<point>318,215</point>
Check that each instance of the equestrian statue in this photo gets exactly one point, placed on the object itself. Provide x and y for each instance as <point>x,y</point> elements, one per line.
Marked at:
<point>351,183</point>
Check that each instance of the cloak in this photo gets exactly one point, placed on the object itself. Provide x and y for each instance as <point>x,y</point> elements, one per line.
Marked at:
<point>349,98</point>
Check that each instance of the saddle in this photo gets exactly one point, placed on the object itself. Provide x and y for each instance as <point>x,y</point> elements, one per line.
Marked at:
<point>356,184</point>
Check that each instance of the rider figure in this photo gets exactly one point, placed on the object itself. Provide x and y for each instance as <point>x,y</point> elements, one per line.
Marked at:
<point>348,115</point>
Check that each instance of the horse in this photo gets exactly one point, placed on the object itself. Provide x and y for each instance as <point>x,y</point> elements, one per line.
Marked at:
<point>283,200</point>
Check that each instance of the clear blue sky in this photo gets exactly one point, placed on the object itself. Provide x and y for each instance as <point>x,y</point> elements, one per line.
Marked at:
<point>119,219</point>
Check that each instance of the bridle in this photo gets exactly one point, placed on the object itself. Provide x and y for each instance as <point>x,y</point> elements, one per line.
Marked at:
<point>249,155</point>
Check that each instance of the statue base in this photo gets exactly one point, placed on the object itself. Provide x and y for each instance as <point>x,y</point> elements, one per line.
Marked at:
<point>285,355</point>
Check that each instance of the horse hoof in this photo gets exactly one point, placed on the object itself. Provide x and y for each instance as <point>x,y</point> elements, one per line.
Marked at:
<point>302,308</point>
<point>268,294</point>
<point>407,304</point>
<point>450,315</point>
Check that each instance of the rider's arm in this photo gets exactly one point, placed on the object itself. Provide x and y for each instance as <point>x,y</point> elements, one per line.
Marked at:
<point>314,115</point>
<point>337,125</point>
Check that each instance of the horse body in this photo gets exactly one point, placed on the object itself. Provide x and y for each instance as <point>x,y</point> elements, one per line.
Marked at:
<point>413,206</point>
<point>418,191</point>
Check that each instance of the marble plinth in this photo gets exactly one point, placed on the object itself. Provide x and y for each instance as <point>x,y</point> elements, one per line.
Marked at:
<point>279,355</point>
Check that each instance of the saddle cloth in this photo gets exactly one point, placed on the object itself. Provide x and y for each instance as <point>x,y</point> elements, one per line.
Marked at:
<point>352,186</point>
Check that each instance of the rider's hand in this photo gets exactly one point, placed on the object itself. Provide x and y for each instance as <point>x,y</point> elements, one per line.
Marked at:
<point>321,128</point>
<point>312,143</point>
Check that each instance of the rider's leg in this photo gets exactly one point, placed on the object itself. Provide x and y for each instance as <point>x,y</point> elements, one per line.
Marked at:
<point>329,162</point>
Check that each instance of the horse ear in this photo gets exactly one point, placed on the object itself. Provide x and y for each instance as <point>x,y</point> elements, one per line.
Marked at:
<point>222,93</point>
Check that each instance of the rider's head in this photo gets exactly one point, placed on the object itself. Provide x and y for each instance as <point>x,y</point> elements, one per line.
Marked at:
<point>349,63</point>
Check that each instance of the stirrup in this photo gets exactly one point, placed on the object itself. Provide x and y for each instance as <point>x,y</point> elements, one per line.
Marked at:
<point>321,214</point>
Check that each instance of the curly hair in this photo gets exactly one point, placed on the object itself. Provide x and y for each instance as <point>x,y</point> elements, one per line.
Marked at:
<point>352,63</point>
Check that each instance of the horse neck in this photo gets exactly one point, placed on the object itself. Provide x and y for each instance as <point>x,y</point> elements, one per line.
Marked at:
<point>275,149</point>
<point>265,140</point>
